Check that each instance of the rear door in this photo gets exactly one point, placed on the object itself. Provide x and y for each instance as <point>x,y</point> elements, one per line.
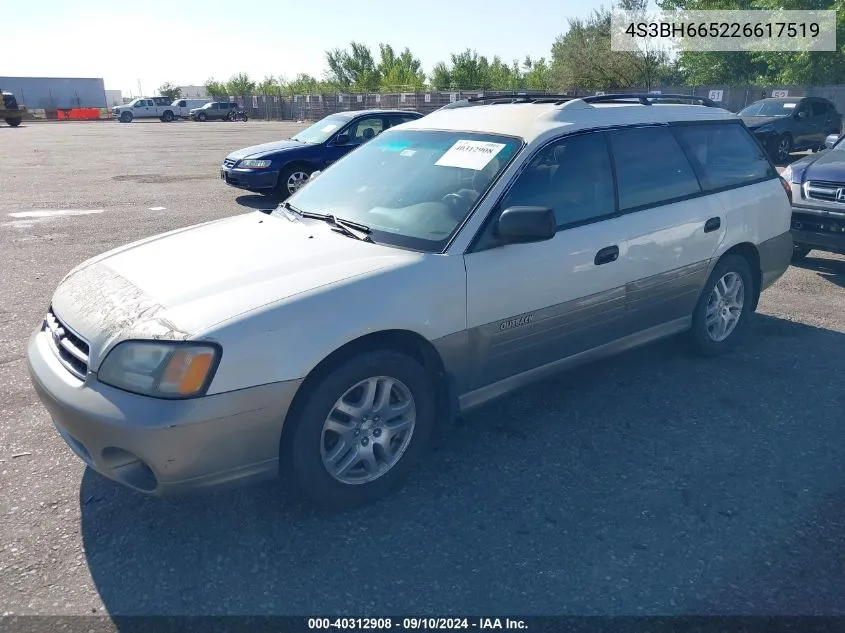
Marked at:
<point>818,121</point>
<point>672,230</point>
<point>803,128</point>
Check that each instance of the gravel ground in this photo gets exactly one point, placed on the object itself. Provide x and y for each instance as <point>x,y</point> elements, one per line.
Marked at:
<point>652,483</point>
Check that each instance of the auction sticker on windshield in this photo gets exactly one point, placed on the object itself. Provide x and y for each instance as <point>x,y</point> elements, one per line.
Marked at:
<point>470,154</point>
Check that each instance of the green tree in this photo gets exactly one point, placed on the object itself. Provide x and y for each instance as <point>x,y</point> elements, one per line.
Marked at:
<point>354,69</point>
<point>537,75</point>
<point>441,77</point>
<point>270,86</point>
<point>398,72</point>
<point>215,88</point>
<point>170,91</point>
<point>469,71</point>
<point>240,85</point>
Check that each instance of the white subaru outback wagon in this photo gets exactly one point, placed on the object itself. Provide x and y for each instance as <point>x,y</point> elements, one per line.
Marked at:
<point>447,262</point>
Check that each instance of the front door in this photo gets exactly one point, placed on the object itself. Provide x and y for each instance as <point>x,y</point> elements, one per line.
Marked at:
<point>358,132</point>
<point>531,304</point>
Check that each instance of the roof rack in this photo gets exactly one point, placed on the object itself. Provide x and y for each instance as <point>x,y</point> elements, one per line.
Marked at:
<point>518,97</point>
<point>647,98</point>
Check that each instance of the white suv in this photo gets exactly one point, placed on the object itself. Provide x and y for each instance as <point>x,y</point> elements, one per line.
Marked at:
<point>448,261</point>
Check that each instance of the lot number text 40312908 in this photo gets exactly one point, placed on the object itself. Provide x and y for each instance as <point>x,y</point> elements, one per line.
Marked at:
<point>416,624</point>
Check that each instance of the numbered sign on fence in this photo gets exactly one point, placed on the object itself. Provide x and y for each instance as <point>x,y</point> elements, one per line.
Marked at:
<point>360,98</point>
<point>453,97</point>
<point>427,98</point>
<point>600,93</point>
<point>307,98</point>
<point>255,101</point>
<point>780,93</point>
<point>378,98</point>
<point>655,92</point>
<point>716,95</point>
<point>402,98</point>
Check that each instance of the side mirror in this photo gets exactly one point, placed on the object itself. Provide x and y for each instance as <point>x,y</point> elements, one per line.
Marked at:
<point>830,141</point>
<point>518,225</point>
<point>341,139</point>
<point>802,114</point>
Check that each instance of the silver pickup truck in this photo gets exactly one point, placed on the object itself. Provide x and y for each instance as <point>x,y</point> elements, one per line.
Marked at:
<point>146,108</point>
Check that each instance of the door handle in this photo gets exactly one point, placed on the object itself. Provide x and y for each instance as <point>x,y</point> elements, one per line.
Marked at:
<point>606,255</point>
<point>712,224</point>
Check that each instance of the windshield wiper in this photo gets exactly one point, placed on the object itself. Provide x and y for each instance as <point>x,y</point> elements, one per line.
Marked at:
<point>347,227</point>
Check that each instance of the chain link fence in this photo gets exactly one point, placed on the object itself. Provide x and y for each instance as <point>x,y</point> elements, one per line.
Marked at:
<point>316,106</point>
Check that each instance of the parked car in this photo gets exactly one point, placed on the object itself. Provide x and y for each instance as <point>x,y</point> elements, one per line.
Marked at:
<point>446,262</point>
<point>182,107</point>
<point>214,110</point>
<point>788,124</point>
<point>145,108</point>
<point>281,167</point>
<point>818,200</point>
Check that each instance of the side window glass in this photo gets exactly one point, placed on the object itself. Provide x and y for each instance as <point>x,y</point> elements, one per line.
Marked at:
<point>572,177</point>
<point>365,129</point>
<point>726,153</point>
<point>651,167</point>
<point>819,108</point>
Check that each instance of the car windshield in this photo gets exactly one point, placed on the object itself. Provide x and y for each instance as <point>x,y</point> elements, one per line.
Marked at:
<point>321,130</point>
<point>207,106</point>
<point>411,188</point>
<point>769,108</point>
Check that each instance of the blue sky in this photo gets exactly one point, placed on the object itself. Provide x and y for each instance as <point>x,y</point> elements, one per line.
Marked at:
<point>156,41</point>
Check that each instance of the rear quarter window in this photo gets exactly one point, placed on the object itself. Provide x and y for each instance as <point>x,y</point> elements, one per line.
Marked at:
<point>651,167</point>
<point>724,154</point>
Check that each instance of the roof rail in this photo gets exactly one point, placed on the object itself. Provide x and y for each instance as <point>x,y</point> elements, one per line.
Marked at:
<point>517,97</point>
<point>648,98</point>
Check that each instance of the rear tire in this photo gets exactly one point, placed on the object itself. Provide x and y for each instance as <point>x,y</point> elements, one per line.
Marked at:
<point>167,117</point>
<point>341,460</point>
<point>724,311</point>
<point>13,122</point>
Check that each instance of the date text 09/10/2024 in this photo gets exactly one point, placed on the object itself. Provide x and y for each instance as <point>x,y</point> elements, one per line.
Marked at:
<point>414,624</point>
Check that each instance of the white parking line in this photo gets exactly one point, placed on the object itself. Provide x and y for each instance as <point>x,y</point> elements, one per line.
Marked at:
<point>44,213</point>
<point>157,208</point>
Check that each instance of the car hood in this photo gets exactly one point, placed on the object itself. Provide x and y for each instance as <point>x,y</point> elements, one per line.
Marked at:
<point>753,122</point>
<point>265,149</point>
<point>177,285</point>
<point>825,165</point>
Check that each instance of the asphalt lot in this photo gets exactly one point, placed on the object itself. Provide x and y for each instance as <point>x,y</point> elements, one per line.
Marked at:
<point>652,483</point>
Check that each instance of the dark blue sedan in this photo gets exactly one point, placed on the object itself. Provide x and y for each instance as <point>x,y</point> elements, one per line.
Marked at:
<point>281,167</point>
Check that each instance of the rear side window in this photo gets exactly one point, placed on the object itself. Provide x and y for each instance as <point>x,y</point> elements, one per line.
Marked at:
<point>819,108</point>
<point>725,153</point>
<point>651,167</point>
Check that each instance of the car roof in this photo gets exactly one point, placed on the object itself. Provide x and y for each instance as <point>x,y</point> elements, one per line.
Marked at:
<point>349,114</point>
<point>530,121</point>
<point>782,99</point>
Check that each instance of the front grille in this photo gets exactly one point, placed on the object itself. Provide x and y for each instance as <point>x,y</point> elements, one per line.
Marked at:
<point>229,162</point>
<point>825,190</point>
<point>71,349</point>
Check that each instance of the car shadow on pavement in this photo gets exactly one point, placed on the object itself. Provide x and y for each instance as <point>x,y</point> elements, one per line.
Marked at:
<point>833,270</point>
<point>655,482</point>
<point>257,202</point>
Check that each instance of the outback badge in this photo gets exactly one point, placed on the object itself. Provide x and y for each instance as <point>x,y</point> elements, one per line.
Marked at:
<point>523,320</point>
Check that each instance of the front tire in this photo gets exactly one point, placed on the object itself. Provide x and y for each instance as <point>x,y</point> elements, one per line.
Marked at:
<point>723,314</point>
<point>201,117</point>
<point>361,430</point>
<point>782,148</point>
<point>167,117</point>
<point>13,122</point>
<point>291,180</point>
<point>126,117</point>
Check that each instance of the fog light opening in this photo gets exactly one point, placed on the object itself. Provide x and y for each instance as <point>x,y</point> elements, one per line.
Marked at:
<point>130,469</point>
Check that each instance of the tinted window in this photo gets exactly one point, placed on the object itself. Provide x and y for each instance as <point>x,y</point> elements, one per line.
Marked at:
<point>572,177</point>
<point>650,167</point>
<point>819,108</point>
<point>726,153</point>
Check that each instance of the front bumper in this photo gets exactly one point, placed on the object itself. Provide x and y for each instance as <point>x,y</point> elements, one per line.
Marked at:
<point>818,229</point>
<point>252,180</point>
<point>157,446</point>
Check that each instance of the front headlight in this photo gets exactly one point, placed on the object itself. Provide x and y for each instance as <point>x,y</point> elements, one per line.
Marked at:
<point>254,164</point>
<point>161,369</point>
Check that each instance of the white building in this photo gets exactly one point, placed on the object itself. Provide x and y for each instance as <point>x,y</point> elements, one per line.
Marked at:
<point>114,98</point>
<point>194,92</point>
